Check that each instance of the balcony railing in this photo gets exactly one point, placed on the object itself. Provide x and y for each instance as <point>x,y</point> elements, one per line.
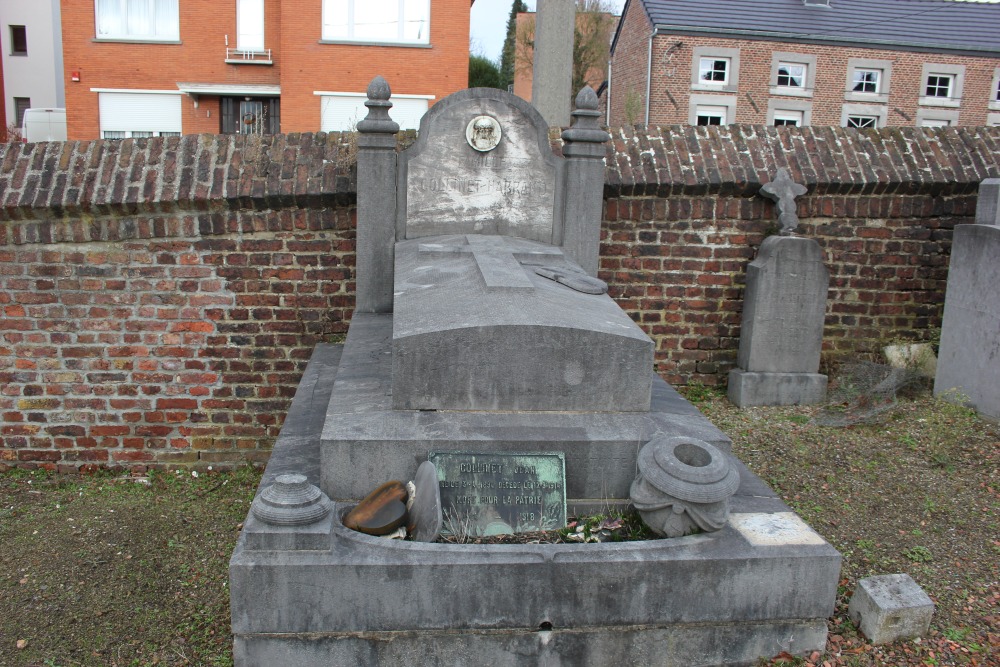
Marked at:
<point>248,57</point>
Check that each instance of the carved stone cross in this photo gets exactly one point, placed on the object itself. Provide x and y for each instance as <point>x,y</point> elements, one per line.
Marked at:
<point>783,191</point>
<point>497,261</point>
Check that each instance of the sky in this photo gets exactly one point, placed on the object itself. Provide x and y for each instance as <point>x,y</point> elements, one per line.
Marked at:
<point>489,24</point>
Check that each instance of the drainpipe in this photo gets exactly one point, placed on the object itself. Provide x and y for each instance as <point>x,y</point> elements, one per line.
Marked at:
<point>607,99</point>
<point>649,71</point>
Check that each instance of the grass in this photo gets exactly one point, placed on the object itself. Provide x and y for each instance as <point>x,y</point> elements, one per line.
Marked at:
<point>120,571</point>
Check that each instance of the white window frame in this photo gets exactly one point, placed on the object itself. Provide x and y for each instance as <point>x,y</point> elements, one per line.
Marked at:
<point>169,34</point>
<point>781,59</point>
<point>419,6</point>
<point>868,77</point>
<point>877,111</point>
<point>957,76</point>
<point>995,91</point>
<point>858,126</point>
<point>250,26</point>
<point>732,56</point>
<point>936,117</point>
<point>713,103</point>
<point>801,109</point>
<point>405,123</point>
<point>881,95</point>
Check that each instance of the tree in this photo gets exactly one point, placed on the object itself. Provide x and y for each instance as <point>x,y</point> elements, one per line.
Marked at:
<point>484,73</point>
<point>591,44</point>
<point>507,56</point>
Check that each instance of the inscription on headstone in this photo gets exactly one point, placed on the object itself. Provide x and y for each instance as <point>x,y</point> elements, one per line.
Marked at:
<point>498,493</point>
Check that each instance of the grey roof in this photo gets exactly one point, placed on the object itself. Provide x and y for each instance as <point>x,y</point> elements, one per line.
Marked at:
<point>934,25</point>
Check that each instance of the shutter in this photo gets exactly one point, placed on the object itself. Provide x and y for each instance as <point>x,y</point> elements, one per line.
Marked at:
<point>342,113</point>
<point>140,112</point>
<point>227,115</point>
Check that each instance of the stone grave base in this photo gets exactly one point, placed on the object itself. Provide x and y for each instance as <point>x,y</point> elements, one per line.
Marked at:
<point>764,584</point>
<point>748,389</point>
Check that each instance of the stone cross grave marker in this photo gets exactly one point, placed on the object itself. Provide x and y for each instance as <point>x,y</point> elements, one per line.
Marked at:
<point>783,191</point>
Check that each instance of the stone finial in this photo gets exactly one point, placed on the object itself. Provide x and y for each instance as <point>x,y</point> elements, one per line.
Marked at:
<point>586,126</point>
<point>783,191</point>
<point>291,501</point>
<point>683,485</point>
<point>378,120</point>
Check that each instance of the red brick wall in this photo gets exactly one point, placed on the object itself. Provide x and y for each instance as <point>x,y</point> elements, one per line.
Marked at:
<point>670,90</point>
<point>301,64</point>
<point>160,298</point>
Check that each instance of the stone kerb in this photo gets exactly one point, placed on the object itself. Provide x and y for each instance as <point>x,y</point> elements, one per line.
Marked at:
<point>510,189</point>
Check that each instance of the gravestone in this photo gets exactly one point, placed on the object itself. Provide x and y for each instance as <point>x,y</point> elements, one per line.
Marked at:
<point>784,307</point>
<point>969,355</point>
<point>500,350</point>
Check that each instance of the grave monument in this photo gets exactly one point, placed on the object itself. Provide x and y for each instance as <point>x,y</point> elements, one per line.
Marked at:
<point>783,311</point>
<point>484,342</point>
<point>969,356</point>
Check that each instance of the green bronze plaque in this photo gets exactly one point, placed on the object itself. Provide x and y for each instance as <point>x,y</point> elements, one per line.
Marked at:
<point>494,494</point>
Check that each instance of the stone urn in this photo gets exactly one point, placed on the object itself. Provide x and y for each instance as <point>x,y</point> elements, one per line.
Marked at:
<point>683,486</point>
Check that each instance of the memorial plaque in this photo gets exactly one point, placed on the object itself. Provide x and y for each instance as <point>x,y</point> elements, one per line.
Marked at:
<point>500,493</point>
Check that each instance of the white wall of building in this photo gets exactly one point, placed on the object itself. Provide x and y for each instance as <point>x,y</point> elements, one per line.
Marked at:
<point>39,74</point>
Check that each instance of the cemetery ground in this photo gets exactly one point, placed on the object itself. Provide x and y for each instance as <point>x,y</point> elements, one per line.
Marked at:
<point>112,569</point>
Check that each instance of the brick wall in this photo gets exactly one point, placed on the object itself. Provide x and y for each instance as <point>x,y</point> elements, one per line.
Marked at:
<point>160,298</point>
<point>672,60</point>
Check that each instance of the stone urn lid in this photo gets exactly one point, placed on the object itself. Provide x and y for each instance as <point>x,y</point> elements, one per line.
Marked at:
<point>291,501</point>
<point>688,469</point>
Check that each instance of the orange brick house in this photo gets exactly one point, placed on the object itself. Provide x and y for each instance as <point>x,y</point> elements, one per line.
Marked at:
<point>850,63</point>
<point>138,68</point>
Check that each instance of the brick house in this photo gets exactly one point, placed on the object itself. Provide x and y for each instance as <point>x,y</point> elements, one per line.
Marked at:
<point>167,67</point>
<point>850,63</point>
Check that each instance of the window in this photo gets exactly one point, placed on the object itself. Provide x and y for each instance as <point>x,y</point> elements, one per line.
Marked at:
<point>710,115</point>
<point>938,85</point>
<point>18,40</point>
<point>791,75</point>
<point>866,80</point>
<point>125,114</point>
<point>340,112</point>
<point>942,85</point>
<point>994,103</point>
<point>936,117</point>
<point>714,71</point>
<point>21,104</point>
<point>862,121</point>
<point>140,20</point>
<point>250,25</point>
<point>788,118</point>
<point>864,115</point>
<point>399,21</point>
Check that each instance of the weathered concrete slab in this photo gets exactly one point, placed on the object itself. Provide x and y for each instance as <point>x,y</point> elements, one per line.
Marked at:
<point>748,389</point>
<point>476,328</point>
<point>969,356</point>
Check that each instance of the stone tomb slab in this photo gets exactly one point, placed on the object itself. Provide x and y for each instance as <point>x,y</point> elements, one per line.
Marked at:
<point>365,438</point>
<point>761,586</point>
<point>476,328</point>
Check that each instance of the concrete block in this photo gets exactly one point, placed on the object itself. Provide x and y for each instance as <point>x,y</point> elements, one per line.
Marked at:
<point>890,607</point>
<point>748,389</point>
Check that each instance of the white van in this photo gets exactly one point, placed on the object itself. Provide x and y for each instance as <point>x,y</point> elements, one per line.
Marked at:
<point>44,125</point>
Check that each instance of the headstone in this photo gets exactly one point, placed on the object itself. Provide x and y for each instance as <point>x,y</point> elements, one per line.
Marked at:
<point>551,86</point>
<point>988,206</point>
<point>782,328</point>
<point>501,352</point>
<point>969,355</point>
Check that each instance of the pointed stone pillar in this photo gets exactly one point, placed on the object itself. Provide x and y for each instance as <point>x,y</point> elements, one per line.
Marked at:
<point>376,208</point>
<point>584,148</point>
<point>552,83</point>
